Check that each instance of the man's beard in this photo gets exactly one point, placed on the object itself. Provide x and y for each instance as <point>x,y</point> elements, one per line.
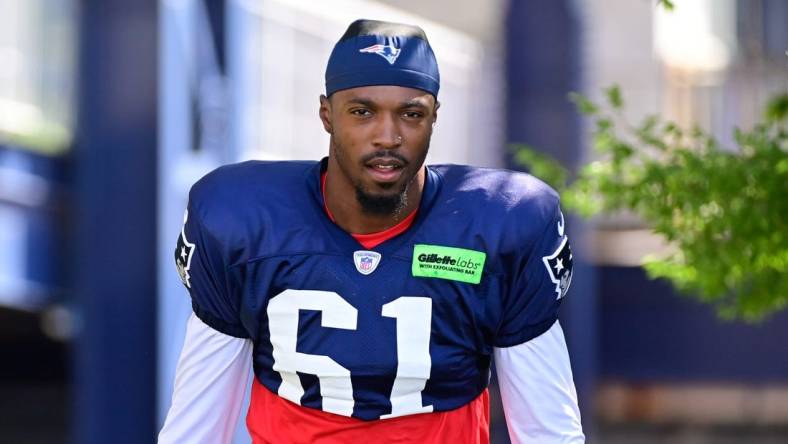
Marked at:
<point>382,205</point>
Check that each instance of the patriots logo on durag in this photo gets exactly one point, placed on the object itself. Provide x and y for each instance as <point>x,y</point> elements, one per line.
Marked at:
<point>388,52</point>
<point>366,261</point>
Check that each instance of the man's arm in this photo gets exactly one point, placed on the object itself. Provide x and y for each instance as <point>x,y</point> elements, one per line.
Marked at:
<point>210,383</point>
<point>538,393</point>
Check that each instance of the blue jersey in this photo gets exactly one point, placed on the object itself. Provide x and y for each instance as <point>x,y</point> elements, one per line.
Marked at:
<point>406,327</point>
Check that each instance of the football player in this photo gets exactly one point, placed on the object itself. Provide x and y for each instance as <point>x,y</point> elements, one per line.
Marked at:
<point>369,292</point>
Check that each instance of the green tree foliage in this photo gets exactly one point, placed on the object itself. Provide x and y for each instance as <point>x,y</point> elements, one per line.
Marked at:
<point>667,4</point>
<point>724,210</point>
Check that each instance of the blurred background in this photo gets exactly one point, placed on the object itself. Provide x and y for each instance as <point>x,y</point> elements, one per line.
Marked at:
<point>110,110</point>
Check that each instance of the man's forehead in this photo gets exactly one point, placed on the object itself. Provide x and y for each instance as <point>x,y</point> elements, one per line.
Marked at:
<point>384,95</point>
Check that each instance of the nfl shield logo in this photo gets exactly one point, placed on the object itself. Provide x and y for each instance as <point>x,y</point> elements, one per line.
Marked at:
<point>366,261</point>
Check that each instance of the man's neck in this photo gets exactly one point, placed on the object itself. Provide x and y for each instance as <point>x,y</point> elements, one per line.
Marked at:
<point>341,202</point>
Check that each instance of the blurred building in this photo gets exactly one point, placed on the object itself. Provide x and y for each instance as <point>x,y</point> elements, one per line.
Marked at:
<point>110,110</point>
<point>669,370</point>
<point>37,101</point>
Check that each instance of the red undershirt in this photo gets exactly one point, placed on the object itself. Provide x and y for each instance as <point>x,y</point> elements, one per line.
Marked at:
<point>371,240</point>
<point>274,420</point>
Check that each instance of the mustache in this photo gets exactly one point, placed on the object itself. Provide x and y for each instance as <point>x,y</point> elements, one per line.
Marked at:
<point>385,154</point>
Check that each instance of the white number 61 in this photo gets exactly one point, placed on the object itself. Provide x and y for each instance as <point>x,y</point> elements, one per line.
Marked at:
<point>413,315</point>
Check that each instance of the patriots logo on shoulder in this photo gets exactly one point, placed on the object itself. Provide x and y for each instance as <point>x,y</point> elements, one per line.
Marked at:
<point>388,52</point>
<point>559,267</point>
<point>183,254</point>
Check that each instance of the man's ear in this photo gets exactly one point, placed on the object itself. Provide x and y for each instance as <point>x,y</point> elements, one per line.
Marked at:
<point>435,112</point>
<point>325,113</point>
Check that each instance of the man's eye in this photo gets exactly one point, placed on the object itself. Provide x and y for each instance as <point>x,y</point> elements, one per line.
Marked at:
<point>361,112</point>
<point>413,114</point>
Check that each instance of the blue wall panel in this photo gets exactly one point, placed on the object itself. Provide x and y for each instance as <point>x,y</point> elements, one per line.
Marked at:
<point>543,60</point>
<point>114,261</point>
<point>651,334</point>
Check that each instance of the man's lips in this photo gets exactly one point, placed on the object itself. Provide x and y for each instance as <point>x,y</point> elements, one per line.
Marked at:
<point>385,169</point>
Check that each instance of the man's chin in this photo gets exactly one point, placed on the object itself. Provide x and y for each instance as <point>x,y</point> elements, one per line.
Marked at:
<point>381,203</point>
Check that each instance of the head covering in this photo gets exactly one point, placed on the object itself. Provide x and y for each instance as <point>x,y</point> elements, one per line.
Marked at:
<point>372,52</point>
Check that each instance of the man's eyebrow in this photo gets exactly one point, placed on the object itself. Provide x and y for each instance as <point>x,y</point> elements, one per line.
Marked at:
<point>371,103</point>
<point>361,101</point>
<point>413,104</point>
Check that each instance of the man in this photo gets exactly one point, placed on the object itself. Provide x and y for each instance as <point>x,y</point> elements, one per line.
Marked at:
<point>370,291</point>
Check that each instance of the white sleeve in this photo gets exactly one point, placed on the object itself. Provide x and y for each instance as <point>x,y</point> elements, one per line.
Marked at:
<point>210,383</point>
<point>537,390</point>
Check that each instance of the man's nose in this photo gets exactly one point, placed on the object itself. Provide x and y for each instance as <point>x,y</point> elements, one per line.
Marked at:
<point>388,134</point>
